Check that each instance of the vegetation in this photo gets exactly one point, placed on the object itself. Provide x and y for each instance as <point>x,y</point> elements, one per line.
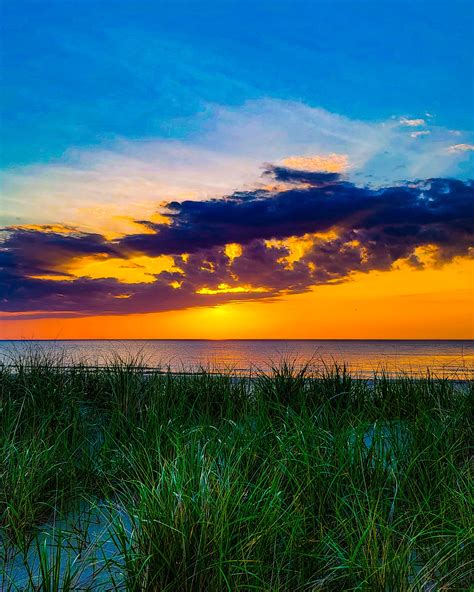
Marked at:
<point>295,479</point>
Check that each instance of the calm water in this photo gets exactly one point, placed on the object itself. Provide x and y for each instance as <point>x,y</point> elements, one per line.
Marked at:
<point>364,356</point>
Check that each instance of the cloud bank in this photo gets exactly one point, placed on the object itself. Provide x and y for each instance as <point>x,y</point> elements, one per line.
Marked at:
<point>313,228</point>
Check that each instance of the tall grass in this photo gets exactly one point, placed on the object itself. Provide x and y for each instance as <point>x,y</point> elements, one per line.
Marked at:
<point>299,478</point>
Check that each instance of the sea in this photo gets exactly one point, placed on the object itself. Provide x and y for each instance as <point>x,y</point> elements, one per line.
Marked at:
<point>443,358</point>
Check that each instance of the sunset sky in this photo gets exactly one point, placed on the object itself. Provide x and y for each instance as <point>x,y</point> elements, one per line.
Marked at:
<point>219,169</point>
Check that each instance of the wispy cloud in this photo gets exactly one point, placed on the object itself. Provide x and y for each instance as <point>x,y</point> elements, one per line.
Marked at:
<point>419,134</point>
<point>459,148</point>
<point>412,122</point>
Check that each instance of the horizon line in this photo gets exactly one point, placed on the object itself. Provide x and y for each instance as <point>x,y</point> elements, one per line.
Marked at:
<point>242,339</point>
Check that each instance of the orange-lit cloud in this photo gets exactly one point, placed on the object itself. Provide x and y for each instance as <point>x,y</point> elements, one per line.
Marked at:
<point>57,228</point>
<point>332,163</point>
<point>297,247</point>
<point>226,289</point>
<point>134,270</point>
<point>233,250</point>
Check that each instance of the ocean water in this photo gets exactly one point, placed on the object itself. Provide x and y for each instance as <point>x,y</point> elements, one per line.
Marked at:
<point>363,357</point>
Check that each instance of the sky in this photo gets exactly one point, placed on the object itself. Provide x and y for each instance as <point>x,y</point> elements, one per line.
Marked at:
<point>219,169</point>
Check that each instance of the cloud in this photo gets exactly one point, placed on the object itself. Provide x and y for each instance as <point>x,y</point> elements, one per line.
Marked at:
<point>102,190</point>
<point>298,176</point>
<point>412,122</point>
<point>41,251</point>
<point>331,163</point>
<point>419,134</point>
<point>250,244</point>
<point>459,148</point>
<point>327,202</point>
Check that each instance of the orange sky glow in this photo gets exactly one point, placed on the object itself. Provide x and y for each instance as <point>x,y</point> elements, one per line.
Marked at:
<point>426,295</point>
<point>403,303</point>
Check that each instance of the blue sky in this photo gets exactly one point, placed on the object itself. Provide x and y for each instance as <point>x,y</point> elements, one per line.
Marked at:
<point>84,74</point>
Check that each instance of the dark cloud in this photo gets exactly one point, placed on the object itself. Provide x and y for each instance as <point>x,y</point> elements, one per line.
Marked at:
<point>441,205</point>
<point>370,229</point>
<point>42,252</point>
<point>288,175</point>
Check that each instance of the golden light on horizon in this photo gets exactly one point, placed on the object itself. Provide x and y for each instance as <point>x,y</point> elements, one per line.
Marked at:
<point>139,269</point>
<point>226,289</point>
<point>403,303</point>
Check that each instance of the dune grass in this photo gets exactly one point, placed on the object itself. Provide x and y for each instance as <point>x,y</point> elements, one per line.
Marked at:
<point>294,479</point>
